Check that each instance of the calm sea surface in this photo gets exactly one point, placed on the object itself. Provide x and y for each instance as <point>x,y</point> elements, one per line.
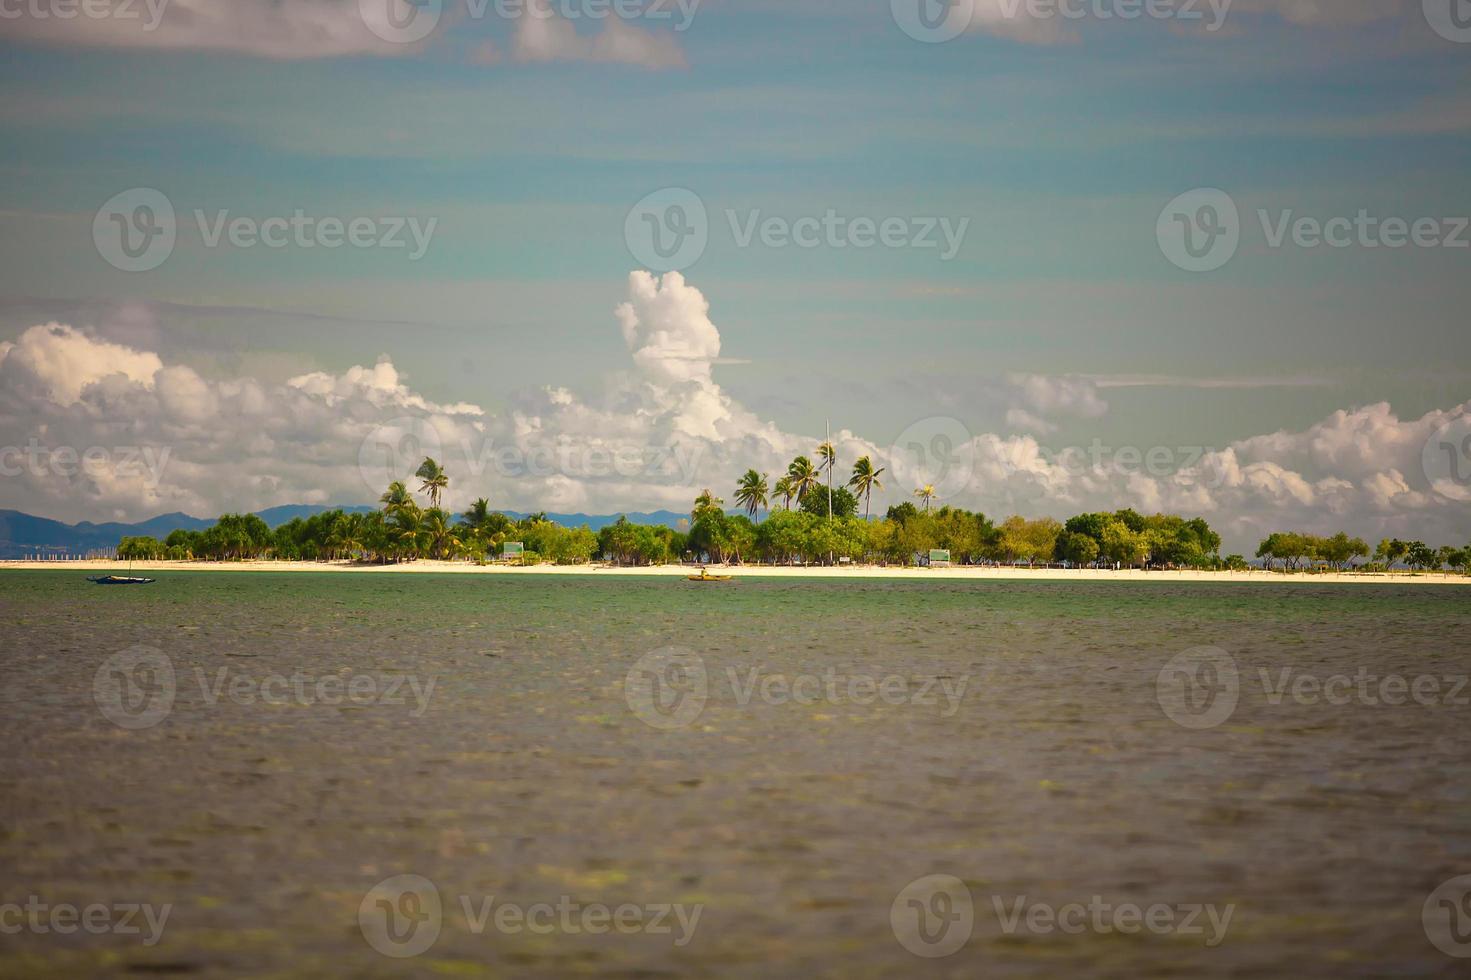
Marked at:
<point>784,758</point>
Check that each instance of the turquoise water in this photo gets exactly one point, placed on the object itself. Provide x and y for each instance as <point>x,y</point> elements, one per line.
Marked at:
<point>1022,748</point>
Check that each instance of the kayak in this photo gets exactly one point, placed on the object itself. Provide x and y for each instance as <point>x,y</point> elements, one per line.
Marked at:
<point>710,578</point>
<point>119,580</point>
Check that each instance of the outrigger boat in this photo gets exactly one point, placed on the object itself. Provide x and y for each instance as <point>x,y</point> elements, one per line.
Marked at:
<point>705,576</point>
<point>119,580</point>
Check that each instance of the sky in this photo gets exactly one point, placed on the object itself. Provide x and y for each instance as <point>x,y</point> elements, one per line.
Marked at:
<point>1049,255</point>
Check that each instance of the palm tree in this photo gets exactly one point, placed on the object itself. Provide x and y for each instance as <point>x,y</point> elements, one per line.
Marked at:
<point>706,501</point>
<point>752,492</point>
<point>435,480</point>
<point>926,493</point>
<point>404,531</point>
<point>784,489</point>
<point>438,535</point>
<point>396,497</point>
<point>827,457</point>
<point>478,514</point>
<point>865,481</point>
<point>804,476</point>
<point>348,535</point>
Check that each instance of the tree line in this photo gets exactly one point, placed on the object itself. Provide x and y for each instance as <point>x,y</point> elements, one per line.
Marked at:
<point>808,519</point>
<point>1301,552</point>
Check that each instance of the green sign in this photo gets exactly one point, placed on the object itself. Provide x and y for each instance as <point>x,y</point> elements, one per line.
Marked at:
<point>939,556</point>
<point>512,549</point>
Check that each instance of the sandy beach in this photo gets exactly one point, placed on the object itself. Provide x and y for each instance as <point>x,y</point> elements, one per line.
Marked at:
<point>973,573</point>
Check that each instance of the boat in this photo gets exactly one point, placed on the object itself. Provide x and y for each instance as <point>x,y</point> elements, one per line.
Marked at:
<point>705,576</point>
<point>119,580</point>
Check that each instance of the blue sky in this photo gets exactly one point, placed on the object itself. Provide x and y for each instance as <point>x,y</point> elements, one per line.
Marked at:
<point>1059,142</point>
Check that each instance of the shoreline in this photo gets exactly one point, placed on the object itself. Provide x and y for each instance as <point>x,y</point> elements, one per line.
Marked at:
<point>954,573</point>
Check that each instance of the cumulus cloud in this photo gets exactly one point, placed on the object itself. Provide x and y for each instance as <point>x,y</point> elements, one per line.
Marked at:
<point>659,431</point>
<point>60,361</point>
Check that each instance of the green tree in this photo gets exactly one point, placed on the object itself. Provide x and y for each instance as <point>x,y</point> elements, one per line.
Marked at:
<point>752,492</point>
<point>396,497</point>
<point>804,476</point>
<point>865,481</point>
<point>1390,552</point>
<point>816,501</point>
<point>1422,557</point>
<point>435,480</point>
<point>1340,550</point>
<point>141,548</point>
<point>827,460</point>
<point>705,503</point>
<point>786,489</point>
<point>1077,548</point>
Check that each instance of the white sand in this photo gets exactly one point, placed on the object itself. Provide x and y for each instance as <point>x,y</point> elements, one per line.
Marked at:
<point>853,572</point>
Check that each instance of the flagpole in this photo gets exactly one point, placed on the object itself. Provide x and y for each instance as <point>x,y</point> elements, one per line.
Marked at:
<point>832,460</point>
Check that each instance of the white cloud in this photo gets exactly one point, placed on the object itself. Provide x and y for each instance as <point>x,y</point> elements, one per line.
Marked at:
<point>1013,19</point>
<point>309,29</point>
<point>1052,396</point>
<point>300,29</point>
<point>543,35</point>
<point>61,361</point>
<point>1327,13</point>
<point>1020,418</point>
<point>1042,23</point>
<point>661,430</point>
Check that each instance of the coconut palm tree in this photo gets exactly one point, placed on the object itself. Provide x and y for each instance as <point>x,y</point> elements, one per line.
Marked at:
<point>438,535</point>
<point>926,493</point>
<point>477,515</point>
<point>752,492</point>
<point>785,489</point>
<point>435,480</point>
<point>348,535</point>
<point>865,481</point>
<point>827,459</point>
<point>804,476</point>
<point>404,532</point>
<point>396,497</point>
<point>706,501</point>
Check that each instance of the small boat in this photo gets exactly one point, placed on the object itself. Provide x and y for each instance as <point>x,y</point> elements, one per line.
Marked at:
<point>119,580</point>
<point>705,576</point>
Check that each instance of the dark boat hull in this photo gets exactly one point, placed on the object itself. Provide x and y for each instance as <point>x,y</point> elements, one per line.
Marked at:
<point>119,580</point>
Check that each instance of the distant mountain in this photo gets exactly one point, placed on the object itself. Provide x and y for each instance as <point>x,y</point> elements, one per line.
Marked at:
<point>597,522</point>
<point>22,536</point>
